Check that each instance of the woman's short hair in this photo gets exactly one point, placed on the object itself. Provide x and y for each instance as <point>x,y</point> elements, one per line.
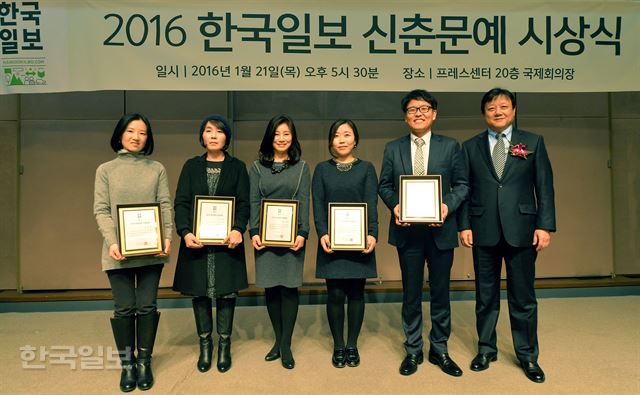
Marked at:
<point>334,129</point>
<point>219,122</point>
<point>121,126</point>
<point>266,153</point>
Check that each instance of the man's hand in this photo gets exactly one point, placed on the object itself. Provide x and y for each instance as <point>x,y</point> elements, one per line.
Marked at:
<point>541,239</point>
<point>466,238</point>
<point>396,212</point>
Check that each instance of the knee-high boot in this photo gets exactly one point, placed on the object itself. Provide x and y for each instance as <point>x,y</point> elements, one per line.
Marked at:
<point>224,322</point>
<point>124,333</point>
<point>204,326</point>
<point>146,330</point>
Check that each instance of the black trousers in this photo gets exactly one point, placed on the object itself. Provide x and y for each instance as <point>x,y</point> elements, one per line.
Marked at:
<point>135,290</point>
<point>421,247</point>
<point>523,306</point>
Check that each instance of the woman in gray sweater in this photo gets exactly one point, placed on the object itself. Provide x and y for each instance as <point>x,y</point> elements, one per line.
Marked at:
<point>132,178</point>
<point>280,174</point>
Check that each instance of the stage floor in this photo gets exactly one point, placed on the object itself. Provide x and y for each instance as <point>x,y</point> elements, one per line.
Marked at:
<point>588,345</point>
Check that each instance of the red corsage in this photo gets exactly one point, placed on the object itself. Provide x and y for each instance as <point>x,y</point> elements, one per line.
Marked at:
<point>519,150</point>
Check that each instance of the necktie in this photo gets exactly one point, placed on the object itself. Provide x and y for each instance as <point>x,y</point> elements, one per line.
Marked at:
<point>418,165</point>
<point>499,155</point>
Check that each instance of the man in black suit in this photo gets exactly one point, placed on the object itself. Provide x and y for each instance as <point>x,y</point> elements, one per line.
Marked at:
<point>509,215</point>
<point>419,153</point>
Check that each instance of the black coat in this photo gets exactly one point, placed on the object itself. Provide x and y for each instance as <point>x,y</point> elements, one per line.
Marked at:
<point>231,268</point>
<point>514,205</point>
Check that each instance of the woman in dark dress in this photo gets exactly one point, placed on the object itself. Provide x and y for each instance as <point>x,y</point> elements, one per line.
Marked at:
<point>212,272</point>
<point>280,174</point>
<point>339,180</point>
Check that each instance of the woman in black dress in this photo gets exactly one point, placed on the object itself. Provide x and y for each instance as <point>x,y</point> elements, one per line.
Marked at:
<point>212,272</point>
<point>339,180</point>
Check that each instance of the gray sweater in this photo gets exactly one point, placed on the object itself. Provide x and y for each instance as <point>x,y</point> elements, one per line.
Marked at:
<point>129,178</point>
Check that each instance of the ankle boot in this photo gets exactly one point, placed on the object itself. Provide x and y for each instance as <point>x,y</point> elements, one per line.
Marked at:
<point>124,333</point>
<point>147,329</point>
<point>204,327</point>
<point>224,322</point>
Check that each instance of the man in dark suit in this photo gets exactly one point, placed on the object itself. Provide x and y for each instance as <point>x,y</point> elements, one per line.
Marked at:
<point>419,153</point>
<point>509,215</point>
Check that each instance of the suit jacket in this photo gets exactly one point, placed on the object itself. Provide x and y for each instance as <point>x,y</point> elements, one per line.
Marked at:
<point>514,205</point>
<point>191,269</point>
<point>444,159</point>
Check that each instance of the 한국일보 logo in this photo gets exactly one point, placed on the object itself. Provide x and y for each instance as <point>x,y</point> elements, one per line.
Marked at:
<point>20,40</point>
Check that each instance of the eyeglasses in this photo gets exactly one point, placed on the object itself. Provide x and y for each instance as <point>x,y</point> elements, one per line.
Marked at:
<point>414,110</point>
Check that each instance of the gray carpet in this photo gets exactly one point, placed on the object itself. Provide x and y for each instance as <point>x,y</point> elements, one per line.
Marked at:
<point>588,346</point>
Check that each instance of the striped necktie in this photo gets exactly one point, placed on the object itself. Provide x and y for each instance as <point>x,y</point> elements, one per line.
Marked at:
<point>499,155</point>
<point>418,165</point>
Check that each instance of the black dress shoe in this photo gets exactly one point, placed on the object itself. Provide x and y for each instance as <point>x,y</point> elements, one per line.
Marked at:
<point>410,364</point>
<point>273,354</point>
<point>339,358</point>
<point>481,361</point>
<point>287,359</point>
<point>353,357</point>
<point>446,363</point>
<point>533,371</point>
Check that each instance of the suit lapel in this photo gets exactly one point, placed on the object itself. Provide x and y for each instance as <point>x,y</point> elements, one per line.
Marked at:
<point>434,151</point>
<point>483,142</point>
<point>405,155</point>
<point>515,139</point>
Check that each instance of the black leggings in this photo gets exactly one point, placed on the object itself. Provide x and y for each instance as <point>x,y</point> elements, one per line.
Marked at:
<point>353,290</point>
<point>135,290</point>
<point>282,305</point>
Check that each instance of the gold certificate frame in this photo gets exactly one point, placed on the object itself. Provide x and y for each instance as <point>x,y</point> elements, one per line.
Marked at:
<point>213,218</point>
<point>348,226</point>
<point>140,230</point>
<point>421,199</point>
<point>278,222</point>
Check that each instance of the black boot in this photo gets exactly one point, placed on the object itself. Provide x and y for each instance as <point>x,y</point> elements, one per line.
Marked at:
<point>224,322</point>
<point>204,326</point>
<point>147,328</point>
<point>124,332</point>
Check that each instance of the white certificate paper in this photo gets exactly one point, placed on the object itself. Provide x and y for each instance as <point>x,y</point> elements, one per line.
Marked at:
<point>420,202</point>
<point>279,223</point>
<point>348,226</point>
<point>140,229</point>
<point>214,220</point>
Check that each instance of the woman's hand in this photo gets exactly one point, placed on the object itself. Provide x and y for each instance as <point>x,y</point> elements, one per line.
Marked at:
<point>233,239</point>
<point>255,241</point>
<point>191,241</point>
<point>114,252</point>
<point>299,243</point>
<point>371,244</point>
<point>325,243</point>
<point>167,248</point>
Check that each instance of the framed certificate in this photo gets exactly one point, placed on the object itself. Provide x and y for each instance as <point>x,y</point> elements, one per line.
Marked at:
<point>213,218</point>
<point>348,226</point>
<point>278,222</point>
<point>421,199</point>
<point>140,229</point>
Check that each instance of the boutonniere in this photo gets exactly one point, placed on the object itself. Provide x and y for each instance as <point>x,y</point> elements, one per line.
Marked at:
<point>519,150</point>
